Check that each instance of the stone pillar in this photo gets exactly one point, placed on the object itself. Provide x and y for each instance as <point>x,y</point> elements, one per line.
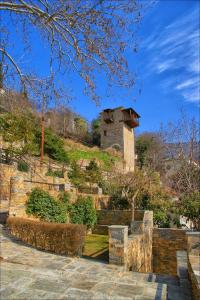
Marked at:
<point>18,196</point>
<point>118,244</point>
<point>137,227</point>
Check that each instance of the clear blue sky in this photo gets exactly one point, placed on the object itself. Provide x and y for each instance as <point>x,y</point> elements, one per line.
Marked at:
<point>167,67</point>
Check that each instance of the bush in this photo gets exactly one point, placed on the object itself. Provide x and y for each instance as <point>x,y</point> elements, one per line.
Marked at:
<point>56,173</point>
<point>83,212</point>
<point>53,146</point>
<point>22,166</point>
<point>64,197</point>
<point>41,204</point>
<point>161,219</point>
<point>118,202</point>
<point>190,208</point>
<point>65,239</point>
<point>76,175</point>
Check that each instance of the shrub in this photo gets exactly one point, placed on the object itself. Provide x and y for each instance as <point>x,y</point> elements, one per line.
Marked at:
<point>65,239</point>
<point>64,197</point>
<point>76,175</point>
<point>56,173</point>
<point>41,204</point>
<point>53,145</point>
<point>161,219</point>
<point>22,166</point>
<point>83,212</point>
<point>118,202</point>
<point>190,208</point>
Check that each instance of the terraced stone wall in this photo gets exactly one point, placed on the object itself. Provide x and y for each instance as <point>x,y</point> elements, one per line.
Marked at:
<point>133,251</point>
<point>118,217</point>
<point>194,262</point>
<point>166,241</point>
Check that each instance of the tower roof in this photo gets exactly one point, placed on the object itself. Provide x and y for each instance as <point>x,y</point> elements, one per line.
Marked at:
<point>130,109</point>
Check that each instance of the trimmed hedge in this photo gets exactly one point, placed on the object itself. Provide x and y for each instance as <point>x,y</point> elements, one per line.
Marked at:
<point>65,239</point>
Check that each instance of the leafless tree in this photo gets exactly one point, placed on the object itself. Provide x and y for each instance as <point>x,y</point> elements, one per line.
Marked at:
<point>182,150</point>
<point>82,36</point>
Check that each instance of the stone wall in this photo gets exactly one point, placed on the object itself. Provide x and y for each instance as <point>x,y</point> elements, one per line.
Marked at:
<point>118,217</point>
<point>194,262</point>
<point>15,187</point>
<point>117,133</point>
<point>165,244</point>
<point>134,252</point>
<point>129,148</point>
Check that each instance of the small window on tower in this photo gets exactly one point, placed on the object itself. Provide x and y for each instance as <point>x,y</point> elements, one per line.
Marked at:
<point>105,133</point>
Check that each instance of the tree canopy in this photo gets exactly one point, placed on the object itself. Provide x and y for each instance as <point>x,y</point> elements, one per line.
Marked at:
<point>80,36</point>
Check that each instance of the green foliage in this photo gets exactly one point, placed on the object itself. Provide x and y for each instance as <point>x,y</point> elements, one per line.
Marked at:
<point>93,172</point>
<point>53,146</point>
<point>81,126</point>
<point>118,202</point>
<point>161,219</point>
<point>80,177</point>
<point>190,207</point>
<point>76,175</point>
<point>96,136</point>
<point>149,151</point>
<point>17,130</point>
<point>107,160</point>
<point>56,173</point>
<point>41,204</point>
<point>22,166</point>
<point>64,197</point>
<point>83,212</point>
<point>107,187</point>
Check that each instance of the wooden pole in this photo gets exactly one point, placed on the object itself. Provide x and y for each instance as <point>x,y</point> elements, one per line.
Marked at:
<point>42,133</point>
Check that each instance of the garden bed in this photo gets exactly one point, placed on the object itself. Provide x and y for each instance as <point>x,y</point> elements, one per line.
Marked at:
<point>96,247</point>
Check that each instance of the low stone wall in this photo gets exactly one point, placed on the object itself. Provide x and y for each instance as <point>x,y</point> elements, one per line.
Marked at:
<point>139,253</point>
<point>165,244</point>
<point>194,262</point>
<point>118,217</point>
<point>134,252</point>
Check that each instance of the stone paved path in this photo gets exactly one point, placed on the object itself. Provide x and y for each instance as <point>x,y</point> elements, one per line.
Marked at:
<point>27,273</point>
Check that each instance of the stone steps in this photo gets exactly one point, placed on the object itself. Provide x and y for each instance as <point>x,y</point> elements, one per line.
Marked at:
<point>26,271</point>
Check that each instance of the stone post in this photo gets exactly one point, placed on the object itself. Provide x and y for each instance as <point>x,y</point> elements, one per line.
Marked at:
<point>118,244</point>
<point>17,196</point>
<point>137,227</point>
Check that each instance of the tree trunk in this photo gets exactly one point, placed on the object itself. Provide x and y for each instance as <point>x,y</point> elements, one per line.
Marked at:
<point>42,141</point>
<point>133,209</point>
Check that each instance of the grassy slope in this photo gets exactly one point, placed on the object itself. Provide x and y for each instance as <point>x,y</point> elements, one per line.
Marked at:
<point>78,151</point>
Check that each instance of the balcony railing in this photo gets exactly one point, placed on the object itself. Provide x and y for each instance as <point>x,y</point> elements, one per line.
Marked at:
<point>131,121</point>
<point>108,117</point>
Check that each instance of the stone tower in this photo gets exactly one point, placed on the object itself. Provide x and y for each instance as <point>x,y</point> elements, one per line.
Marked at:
<point>117,131</point>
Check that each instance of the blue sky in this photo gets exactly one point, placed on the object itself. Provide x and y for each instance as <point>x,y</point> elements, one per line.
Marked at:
<point>167,67</point>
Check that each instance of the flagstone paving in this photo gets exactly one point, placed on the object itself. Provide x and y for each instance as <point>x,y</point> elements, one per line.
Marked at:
<point>27,273</point>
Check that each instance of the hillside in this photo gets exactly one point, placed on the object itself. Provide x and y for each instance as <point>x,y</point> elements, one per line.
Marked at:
<point>77,151</point>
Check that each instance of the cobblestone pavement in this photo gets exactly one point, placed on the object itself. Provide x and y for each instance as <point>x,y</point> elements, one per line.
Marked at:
<point>27,273</point>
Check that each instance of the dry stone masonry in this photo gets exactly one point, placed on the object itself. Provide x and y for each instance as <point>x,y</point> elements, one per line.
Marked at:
<point>117,131</point>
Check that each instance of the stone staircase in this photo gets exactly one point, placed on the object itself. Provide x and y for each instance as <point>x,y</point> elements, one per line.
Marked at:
<point>27,273</point>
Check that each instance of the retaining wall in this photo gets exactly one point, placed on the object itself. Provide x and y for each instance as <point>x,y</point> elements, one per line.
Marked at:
<point>165,244</point>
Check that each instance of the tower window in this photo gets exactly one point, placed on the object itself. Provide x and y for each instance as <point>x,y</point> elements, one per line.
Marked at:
<point>105,133</point>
